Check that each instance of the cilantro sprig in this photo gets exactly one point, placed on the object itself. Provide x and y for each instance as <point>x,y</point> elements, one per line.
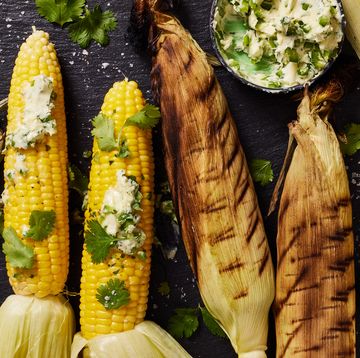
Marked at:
<point>104,133</point>
<point>261,171</point>
<point>41,224</point>
<point>18,254</point>
<point>185,322</point>
<point>113,294</point>
<point>93,25</point>
<point>352,144</point>
<point>146,118</point>
<point>60,11</point>
<point>84,25</point>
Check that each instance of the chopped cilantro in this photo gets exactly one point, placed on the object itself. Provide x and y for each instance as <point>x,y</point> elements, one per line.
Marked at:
<point>147,118</point>
<point>184,322</point>
<point>211,324</point>
<point>104,133</point>
<point>352,145</point>
<point>98,242</point>
<point>164,288</point>
<point>77,180</point>
<point>113,294</point>
<point>41,224</point>
<point>60,11</point>
<point>124,151</point>
<point>167,208</point>
<point>93,25</point>
<point>141,255</point>
<point>18,254</point>
<point>261,171</point>
<point>87,154</point>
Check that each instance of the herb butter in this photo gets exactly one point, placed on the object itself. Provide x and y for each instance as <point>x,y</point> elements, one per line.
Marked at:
<point>278,43</point>
<point>36,122</point>
<point>119,214</point>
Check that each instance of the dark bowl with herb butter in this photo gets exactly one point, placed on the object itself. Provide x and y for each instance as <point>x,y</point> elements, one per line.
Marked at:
<point>277,46</point>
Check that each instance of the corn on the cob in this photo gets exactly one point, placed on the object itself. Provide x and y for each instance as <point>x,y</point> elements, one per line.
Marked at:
<point>44,185</point>
<point>315,286</point>
<point>101,322</point>
<point>121,102</point>
<point>211,186</point>
<point>352,15</point>
<point>35,200</point>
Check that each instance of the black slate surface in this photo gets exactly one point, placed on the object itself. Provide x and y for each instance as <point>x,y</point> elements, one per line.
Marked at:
<point>261,120</point>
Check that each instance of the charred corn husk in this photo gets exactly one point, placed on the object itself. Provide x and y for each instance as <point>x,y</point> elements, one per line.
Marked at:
<point>221,223</point>
<point>120,184</point>
<point>352,15</point>
<point>36,234</point>
<point>315,285</point>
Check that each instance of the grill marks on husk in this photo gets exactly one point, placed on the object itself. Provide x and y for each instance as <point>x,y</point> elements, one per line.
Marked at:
<point>315,305</point>
<point>220,222</point>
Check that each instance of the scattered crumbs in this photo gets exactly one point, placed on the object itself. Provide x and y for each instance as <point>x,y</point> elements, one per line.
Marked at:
<point>131,65</point>
<point>8,25</point>
<point>74,53</point>
<point>104,65</point>
<point>22,12</point>
<point>126,43</point>
<point>84,52</point>
<point>71,62</point>
<point>122,54</point>
<point>8,19</point>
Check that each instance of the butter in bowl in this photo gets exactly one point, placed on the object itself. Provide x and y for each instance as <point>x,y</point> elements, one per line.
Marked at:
<point>277,45</point>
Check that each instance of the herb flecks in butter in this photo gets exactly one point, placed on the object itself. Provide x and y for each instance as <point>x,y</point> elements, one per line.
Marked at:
<point>36,121</point>
<point>278,43</point>
<point>119,215</point>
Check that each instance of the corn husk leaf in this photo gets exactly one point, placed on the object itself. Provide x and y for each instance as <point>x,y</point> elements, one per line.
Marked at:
<point>213,193</point>
<point>36,327</point>
<point>315,286</point>
<point>147,339</point>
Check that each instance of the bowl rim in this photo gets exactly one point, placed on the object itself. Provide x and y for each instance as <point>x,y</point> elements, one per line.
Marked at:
<point>282,90</point>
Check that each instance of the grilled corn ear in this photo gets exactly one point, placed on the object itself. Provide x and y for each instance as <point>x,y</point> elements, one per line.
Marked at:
<point>221,223</point>
<point>37,321</point>
<point>315,285</point>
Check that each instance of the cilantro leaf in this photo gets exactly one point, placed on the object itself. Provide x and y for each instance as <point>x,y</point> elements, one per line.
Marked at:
<point>164,288</point>
<point>41,224</point>
<point>18,254</point>
<point>77,180</point>
<point>147,118</point>
<point>104,133</point>
<point>93,25</point>
<point>98,242</point>
<point>261,171</point>
<point>211,323</point>
<point>352,132</point>
<point>60,11</point>
<point>113,294</point>
<point>184,323</point>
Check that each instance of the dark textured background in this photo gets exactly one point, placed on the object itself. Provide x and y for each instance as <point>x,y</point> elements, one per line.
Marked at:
<point>261,120</point>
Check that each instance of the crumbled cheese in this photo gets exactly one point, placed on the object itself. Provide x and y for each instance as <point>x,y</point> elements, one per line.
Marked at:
<point>36,121</point>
